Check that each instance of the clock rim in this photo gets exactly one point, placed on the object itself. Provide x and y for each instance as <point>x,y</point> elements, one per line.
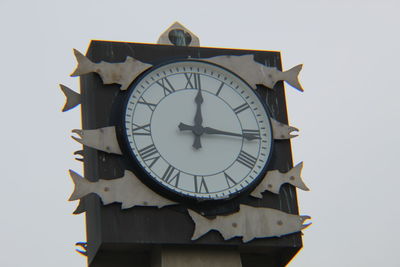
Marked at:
<point>133,164</point>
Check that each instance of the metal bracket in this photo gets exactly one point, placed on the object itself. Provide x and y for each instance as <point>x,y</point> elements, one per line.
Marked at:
<point>273,181</point>
<point>121,73</point>
<point>250,223</point>
<point>104,139</point>
<point>128,190</point>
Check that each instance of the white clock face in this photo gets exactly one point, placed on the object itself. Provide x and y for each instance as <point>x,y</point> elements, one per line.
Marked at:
<point>198,130</point>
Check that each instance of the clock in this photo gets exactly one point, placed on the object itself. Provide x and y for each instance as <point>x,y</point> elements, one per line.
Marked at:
<point>196,131</point>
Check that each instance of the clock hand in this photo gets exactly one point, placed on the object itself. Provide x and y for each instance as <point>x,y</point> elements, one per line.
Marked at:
<point>198,120</point>
<point>209,130</point>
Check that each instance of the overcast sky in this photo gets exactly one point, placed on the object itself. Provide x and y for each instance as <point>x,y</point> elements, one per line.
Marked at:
<point>348,115</point>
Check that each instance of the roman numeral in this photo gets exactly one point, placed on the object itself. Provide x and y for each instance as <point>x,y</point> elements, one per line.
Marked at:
<point>254,133</point>
<point>192,81</point>
<point>220,88</point>
<point>151,106</point>
<point>241,108</point>
<point>149,154</point>
<point>202,187</point>
<point>229,180</point>
<point>169,177</point>
<point>141,130</point>
<point>246,159</point>
<point>166,86</point>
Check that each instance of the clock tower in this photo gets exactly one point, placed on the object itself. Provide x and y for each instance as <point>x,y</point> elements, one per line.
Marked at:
<point>186,153</point>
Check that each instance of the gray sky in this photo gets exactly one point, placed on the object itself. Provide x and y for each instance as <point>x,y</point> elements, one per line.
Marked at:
<point>348,114</point>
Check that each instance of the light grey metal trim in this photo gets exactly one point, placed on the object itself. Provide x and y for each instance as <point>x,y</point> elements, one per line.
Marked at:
<point>123,73</point>
<point>72,98</point>
<point>104,139</point>
<point>128,190</point>
<point>255,73</point>
<point>282,131</point>
<point>250,223</point>
<point>273,181</point>
<point>164,37</point>
<point>196,257</point>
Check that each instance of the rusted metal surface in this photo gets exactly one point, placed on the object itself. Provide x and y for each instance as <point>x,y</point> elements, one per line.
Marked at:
<point>255,73</point>
<point>178,35</point>
<point>282,131</point>
<point>72,98</point>
<point>128,190</point>
<point>104,139</point>
<point>123,73</point>
<point>273,181</point>
<point>249,223</point>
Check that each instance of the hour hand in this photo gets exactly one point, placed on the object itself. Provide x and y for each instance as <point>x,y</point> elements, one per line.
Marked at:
<point>209,130</point>
<point>196,130</point>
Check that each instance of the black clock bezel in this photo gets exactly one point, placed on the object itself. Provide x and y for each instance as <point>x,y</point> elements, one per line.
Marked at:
<point>133,164</point>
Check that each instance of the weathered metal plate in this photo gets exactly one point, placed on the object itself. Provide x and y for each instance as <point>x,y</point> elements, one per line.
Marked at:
<point>273,181</point>
<point>123,73</point>
<point>255,73</point>
<point>104,139</point>
<point>128,190</point>
<point>250,223</point>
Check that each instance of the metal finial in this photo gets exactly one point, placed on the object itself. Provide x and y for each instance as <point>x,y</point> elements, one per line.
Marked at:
<point>178,35</point>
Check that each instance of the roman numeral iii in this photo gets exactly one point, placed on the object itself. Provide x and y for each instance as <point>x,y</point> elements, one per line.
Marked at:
<point>246,159</point>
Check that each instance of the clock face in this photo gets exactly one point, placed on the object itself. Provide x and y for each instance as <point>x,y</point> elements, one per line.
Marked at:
<point>197,130</point>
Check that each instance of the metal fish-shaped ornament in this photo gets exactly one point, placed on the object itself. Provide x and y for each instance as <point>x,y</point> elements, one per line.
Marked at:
<point>104,139</point>
<point>73,98</point>
<point>123,73</point>
<point>128,190</point>
<point>250,223</point>
<point>273,181</point>
<point>255,73</point>
<point>282,131</point>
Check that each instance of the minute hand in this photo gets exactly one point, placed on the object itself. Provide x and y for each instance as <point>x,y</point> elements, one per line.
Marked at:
<point>209,130</point>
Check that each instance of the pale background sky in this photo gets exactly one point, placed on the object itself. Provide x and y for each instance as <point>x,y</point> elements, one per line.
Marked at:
<point>348,115</point>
